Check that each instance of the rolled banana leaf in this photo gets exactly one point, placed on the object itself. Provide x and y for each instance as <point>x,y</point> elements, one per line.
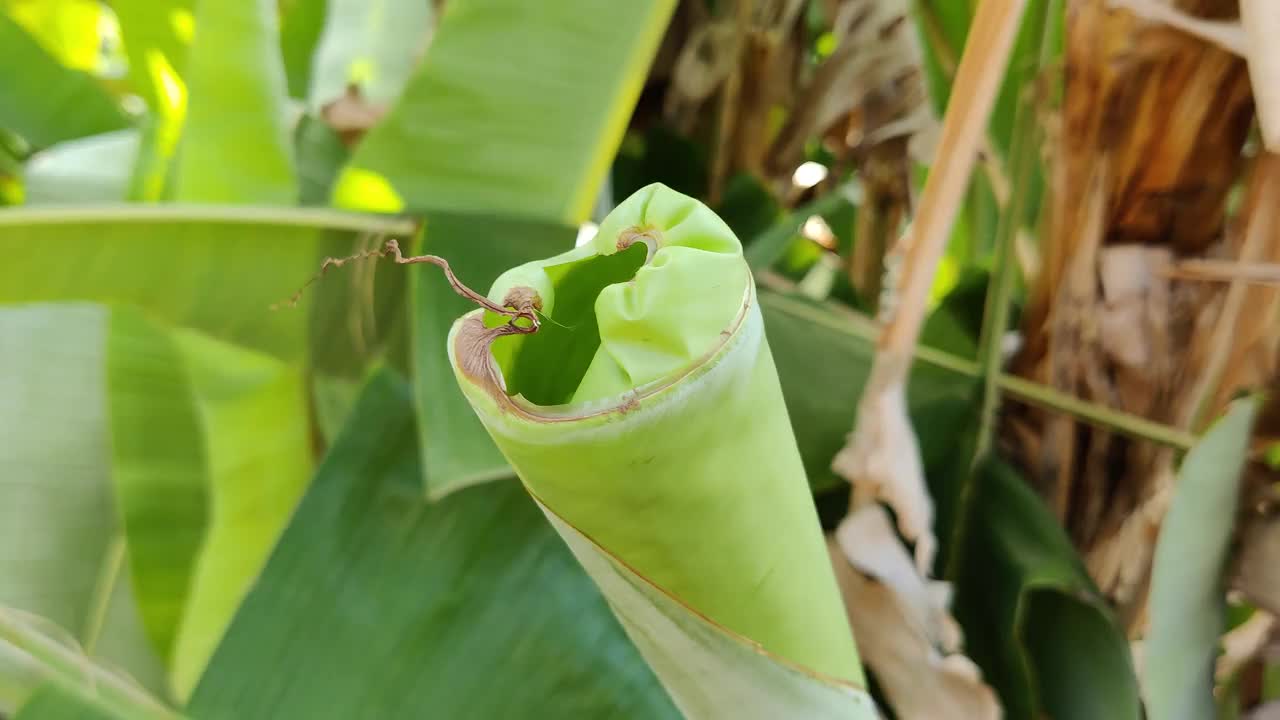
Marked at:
<point>644,414</point>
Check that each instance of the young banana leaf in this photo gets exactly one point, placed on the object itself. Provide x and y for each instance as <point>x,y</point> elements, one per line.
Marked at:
<point>631,386</point>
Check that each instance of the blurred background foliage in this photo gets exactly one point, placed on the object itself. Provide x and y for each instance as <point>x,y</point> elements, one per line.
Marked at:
<point>209,508</point>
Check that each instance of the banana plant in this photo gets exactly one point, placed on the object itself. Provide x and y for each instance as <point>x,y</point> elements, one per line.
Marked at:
<point>630,384</point>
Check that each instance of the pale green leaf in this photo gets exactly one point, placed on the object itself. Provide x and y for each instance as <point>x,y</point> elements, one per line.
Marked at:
<point>44,675</point>
<point>518,107</point>
<point>94,169</point>
<point>252,409</point>
<point>59,553</point>
<point>1187,593</point>
<point>372,45</point>
<point>733,676</point>
<point>236,143</point>
<point>158,467</point>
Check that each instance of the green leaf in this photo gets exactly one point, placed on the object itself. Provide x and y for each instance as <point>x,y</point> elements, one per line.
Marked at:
<point>253,410</point>
<point>211,451</point>
<point>47,103</point>
<point>637,418</point>
<point>157,38</point>
<point>44,676</point>
<point>300,31</point>
<point>531,133</point>
<point>1187,593</point>
<point>236,142</point>
<point>159,468</point>
<point>59,556</point>
<point>1034,622</point>
<point>175,262</point>
<point>373,46</point>
<point>824,361</point>
<point>75,32</point>
<point>88,170</point>
<point>734,677</point>
<point>396,602</point>
<point>457,451</point>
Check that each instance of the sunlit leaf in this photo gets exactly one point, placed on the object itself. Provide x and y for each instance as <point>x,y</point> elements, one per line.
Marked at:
<point>45,102</point>
<point>235,143</point>
<point>517,108</point>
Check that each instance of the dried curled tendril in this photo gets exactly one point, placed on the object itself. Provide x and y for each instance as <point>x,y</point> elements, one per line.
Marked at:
<point>520,304</point>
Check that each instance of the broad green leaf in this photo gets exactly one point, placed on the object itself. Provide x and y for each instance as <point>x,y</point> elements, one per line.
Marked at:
<point>94,169</point>
<point>516,108</point>
<point>1187,593</point>
<point>47,103</point>
<point>456,449</point>
<point>45,676</point>
<point>157,37</point>
<point>235,143</point>
<point>60,555</point>
<point>300,30</point>
<point>175,262</point>
<point>1035,624</point>
<point>158,466</point>
<point>257,437</point>
<point>370,45</point>
<point>467,607</point>
<point>639,416</point>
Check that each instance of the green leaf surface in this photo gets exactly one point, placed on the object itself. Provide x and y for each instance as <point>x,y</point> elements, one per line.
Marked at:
<point>45,676</point>
<point>457,451</point>
<point>641,421</point>
<point>94,169</point>
<point>253,411</point>
<point>734,678</point>
<point>517,108</point>
<point>395,602</point>
<point>158,467</point>
<point>157,39</point>
<point>1035,624</point>
<point>56,515</point>
<point>47,103</point>
<point>321,155</point>
<point>236,145</point>
<point>300,30</point>
<point>372,45</point>
<point>824,360</point>
<point>214,269</point>
<point>1187,593</point>
<point>59,553</point>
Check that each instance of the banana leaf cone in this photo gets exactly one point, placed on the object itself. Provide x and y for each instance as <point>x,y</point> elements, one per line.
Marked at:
<point>645,416</point>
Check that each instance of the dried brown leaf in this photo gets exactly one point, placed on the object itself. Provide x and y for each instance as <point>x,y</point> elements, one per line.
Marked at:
<point>905,634</point>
